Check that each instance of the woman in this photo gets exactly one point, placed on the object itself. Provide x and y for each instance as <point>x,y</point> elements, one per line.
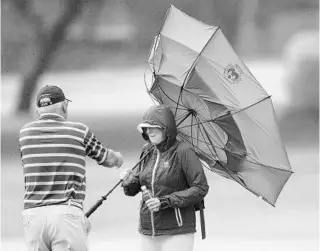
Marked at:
<point>174,175</point>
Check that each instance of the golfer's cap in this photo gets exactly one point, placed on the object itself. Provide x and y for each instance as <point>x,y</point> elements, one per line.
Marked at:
<point>50,95</point>
<point>145,125</point>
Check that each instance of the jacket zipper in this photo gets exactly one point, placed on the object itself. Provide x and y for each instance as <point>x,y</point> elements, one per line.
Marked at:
<point>152,190</point>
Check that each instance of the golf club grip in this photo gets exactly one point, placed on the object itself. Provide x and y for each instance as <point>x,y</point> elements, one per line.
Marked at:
<point>99,202</point>
<point>94,208</point>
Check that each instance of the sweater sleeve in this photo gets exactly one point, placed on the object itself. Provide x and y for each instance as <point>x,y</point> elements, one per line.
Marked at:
<point>102,155</point>
<point>196,179</point>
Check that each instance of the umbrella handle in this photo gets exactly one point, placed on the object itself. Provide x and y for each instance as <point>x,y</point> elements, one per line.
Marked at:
<point>94,208</point>
<point>99,202</point>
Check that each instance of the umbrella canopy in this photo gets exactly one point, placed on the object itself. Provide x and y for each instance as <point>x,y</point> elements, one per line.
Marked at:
<point>221,110</point>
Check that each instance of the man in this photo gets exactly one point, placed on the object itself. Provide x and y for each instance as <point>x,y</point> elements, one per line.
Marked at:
<point>53,154</point>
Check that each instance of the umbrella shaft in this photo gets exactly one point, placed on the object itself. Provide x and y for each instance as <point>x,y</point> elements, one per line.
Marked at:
<point>180,122</point>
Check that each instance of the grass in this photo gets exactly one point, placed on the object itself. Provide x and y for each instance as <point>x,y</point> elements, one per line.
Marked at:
<point>231,212</point>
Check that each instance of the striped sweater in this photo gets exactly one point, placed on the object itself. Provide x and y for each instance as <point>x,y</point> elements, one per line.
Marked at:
<point>53,154</point>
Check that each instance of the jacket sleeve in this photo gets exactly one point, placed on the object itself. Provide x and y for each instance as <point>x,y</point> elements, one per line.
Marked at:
<point>131,184</point>
<point>196,179</point>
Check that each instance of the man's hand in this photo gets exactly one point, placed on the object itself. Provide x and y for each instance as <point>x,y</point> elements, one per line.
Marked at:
<point>120,159</point>
<point>114,159</point>
<point>125,173</point>
<point>153,204</point>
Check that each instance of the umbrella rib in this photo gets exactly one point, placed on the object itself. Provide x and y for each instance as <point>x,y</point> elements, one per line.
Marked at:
<point>213,151</point>
<point>173,101</point>
<point>226,169</point>
<point>198,136</point>
<point>192,139</point>
<point>210,142</point>
<point>188,114</point>
<point>183,135</point>
<point>160,29</point>
<point>197,58</point>
<point>248,158</point>
<point>217,160</point>
<point>200,123</point>
<point>251,160</point>
<point>196,149</point>
<point>191,132</point>
<point>231,114</point>
<point>153,49</point>
<point>204,142</point>
<point>222,78</point>
<point>194,63</point>
<point>249,106</point>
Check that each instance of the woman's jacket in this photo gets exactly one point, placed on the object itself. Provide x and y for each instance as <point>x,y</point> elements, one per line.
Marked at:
<point>174,174</point>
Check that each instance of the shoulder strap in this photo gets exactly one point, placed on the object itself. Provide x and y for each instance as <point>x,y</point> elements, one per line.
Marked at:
<point>203,225</point>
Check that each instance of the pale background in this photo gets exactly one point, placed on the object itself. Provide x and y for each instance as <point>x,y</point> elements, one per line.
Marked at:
<point>100,67</point>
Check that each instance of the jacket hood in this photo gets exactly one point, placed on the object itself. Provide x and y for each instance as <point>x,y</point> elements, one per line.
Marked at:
<point>162,116</point>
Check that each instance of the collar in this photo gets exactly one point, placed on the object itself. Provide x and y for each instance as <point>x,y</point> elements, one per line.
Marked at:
<point>164,145</point>
<point>51,116</point>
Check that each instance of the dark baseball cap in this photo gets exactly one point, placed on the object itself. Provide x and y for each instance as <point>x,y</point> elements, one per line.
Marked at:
<point>50,95</point>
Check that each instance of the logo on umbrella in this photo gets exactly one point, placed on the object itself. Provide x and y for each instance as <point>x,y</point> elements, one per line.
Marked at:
<point>233,73</point>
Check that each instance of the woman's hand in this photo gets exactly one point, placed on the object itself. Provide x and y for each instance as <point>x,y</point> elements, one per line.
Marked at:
<point>153,204</point>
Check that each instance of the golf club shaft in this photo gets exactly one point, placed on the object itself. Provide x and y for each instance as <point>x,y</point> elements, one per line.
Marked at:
<point>94,208</point>
<point>99,202</point>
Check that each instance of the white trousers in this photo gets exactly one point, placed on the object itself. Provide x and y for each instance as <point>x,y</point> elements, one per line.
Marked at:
<point>183,242</point>
<point>55,228</point>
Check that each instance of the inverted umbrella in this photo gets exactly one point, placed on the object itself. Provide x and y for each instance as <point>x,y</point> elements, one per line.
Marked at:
<point>222,111</point>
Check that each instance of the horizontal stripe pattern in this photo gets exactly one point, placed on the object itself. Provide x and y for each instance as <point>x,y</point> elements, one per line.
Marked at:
<point>53,177</point>
<point>55,148</point>
<point>53,154</point>
<point>52,129</point>
<point>55,187</point>
<point>54,167</point>
<point>46,202</point>
<point>54,192</point>
<point>76,160</point>
<point>49,137</point>
<point>51,145</point>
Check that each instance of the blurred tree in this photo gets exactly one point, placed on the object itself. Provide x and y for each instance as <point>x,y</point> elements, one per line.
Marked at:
<point>226,15</point>
<point>247,26</point>
<point>47,42</point>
